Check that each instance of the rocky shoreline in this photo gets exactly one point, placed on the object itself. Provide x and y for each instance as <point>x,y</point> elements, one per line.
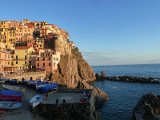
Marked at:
<point>131,79</point>
<point>148,108</point>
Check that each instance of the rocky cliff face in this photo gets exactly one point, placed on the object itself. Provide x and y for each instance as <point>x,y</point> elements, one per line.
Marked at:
<point>72,69</point>
<point>148,108</point>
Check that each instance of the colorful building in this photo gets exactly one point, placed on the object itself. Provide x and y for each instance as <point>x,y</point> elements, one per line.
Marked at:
<point>6,63</point>
<point>35,45</point>
<point>43,61</point>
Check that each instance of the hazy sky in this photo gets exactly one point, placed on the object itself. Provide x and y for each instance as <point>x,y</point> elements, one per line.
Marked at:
<point>106,31</point>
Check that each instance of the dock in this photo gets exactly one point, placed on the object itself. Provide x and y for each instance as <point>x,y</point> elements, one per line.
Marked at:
<point>74,108</point>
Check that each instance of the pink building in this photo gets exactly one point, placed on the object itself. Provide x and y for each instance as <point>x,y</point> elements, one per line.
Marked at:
<point>14,24</point>
<point>43,61</point>
<point>24,33</point>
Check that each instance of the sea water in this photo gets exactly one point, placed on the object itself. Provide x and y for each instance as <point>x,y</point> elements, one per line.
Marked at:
<point>124,96</point>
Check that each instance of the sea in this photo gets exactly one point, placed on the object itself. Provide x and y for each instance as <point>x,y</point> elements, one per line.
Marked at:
<point>124,96</point>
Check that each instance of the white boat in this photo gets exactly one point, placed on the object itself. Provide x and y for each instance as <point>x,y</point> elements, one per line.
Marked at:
<point>10,105</point>
<point>11,87</point>
<point>36,100</point>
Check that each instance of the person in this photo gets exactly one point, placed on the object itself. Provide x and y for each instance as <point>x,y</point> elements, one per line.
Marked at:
<point>64,101</point>
<point>46,96</point>
<point>56,101</point>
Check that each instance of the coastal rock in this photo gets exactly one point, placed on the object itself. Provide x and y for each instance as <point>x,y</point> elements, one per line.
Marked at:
<point>132,79</point>
<point>72,69</point>
<point>75,72</point>
<point>148,108</point>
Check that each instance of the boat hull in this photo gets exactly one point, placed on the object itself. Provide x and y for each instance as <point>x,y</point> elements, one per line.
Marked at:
<point>9,105</point>
<point>36,100</point>
<point>15,88</point>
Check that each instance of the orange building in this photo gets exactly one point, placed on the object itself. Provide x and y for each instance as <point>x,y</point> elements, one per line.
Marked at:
<point>6,63</point>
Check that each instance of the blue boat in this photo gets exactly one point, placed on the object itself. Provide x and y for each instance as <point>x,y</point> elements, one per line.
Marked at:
<point>47,87</point>
<point>13,82</point>
<point>9,105</point>
<point>10,92</point>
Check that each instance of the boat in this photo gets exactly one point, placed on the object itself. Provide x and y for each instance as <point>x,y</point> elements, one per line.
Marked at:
<point>9,105</point>
<point>47,88</point>
<point>10,95</point>
<point>36,100</point>
<point>41,85</point>
<point>13,82</point>
<point>2,80</point>
<point>15,88</point>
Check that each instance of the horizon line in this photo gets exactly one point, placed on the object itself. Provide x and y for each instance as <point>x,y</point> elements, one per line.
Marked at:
<point>125,64</point>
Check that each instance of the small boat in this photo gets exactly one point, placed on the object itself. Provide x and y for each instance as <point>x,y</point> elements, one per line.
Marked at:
<point>15,88</point>
<point>2,80</point>
<point>10,105</point>
<point>13,82</point>
<point>36,100</point>
<point>41,85</point>
<point>48,87</point>
<point>10,95</point>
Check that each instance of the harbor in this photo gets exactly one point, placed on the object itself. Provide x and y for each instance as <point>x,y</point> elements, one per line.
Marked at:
<point>70,103</point>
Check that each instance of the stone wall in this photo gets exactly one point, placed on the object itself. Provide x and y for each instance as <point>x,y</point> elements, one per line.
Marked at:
<point>26,76</point>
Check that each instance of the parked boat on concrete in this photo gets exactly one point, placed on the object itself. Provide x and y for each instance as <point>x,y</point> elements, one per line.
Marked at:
<point>10,105</point>
<point>36,100</point>
<point>10,95</point>
<point>15,88</point>
<point>2,80</point>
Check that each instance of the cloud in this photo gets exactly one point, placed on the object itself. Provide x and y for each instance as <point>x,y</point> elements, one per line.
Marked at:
<point>99,58</point>
<point>118,58</point>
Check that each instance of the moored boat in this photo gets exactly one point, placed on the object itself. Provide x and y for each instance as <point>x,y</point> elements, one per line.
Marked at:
<point>15,88</point>
<point>2,80</point>
<point>36,100</point>
<point>10,95</point>
<point>47,88</point>
<point>10,105</point>
<point>41,85</point>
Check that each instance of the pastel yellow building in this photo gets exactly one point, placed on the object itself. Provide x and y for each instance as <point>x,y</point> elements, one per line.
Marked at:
<point>10,41</point>
<point>20,57</point>
<point>4,24</point>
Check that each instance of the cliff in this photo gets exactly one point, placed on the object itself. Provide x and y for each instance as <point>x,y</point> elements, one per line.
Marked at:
<point>148,108</point>
<point>72,69</point>
<point>75,72</point>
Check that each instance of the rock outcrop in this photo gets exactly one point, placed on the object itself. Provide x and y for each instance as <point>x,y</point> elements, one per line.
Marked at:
<point>148,108</point>
<point>72,69</point>
<point>75,72</point>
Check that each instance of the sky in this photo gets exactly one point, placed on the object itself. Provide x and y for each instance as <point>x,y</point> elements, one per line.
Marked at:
<point>107,32</point>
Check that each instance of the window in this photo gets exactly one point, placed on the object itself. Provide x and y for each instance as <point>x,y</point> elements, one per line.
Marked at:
<point>49,64</point>
<point>25,62</point>
<point>43,64</point>
<point>37,59</point>
<point>16,62</point>
<point>16,57</point>
<point>25,57</point>
<point>37,64</point>
<point>43,59</point>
